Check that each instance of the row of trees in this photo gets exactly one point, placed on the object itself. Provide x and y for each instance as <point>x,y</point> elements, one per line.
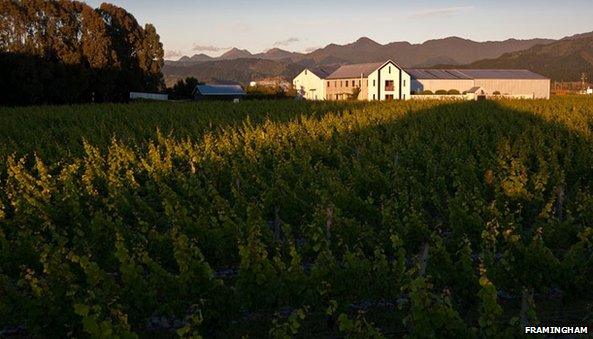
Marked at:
<point>184,90</point>
<point>65,51</point>
<point>270,92</point>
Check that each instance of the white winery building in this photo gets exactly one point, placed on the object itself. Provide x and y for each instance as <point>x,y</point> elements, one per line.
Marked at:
<point>388,81</point>
<point>369,81</point>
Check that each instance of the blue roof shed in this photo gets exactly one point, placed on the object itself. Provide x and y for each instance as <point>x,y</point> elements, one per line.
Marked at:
<point>228,92</point>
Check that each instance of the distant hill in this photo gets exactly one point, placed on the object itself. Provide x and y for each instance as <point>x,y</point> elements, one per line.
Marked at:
<point>196,58</point>
<point>241,71</point>
<point>450,51</point>
<point>236,53</point>
<point>563,60</point>
<point>279,54</point>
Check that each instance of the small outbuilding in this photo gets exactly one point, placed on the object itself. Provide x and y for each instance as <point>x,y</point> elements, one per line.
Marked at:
<point>148,96</point>
<point>219,92</point>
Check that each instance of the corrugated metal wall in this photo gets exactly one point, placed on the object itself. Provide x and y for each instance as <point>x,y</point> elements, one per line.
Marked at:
<point>539,89</point>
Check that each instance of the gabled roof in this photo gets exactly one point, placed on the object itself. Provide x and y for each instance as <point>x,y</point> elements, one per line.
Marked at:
<point>323,72</point>
<point>443,74</point>
<point>355,71</point>
<point>220,90</point>
<point>358,70</point>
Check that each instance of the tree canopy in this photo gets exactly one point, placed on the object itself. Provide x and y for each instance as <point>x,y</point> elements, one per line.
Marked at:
<point>64,51</point>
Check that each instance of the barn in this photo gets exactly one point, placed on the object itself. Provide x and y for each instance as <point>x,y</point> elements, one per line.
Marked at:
<point>513,83</point>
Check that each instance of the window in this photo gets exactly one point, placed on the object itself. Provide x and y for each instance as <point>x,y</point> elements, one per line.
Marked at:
<point>389,97</point>
<point>359,83</point>
<point>404,83</point>
<point>367,82</point>
<point>353,83</point>
<point>337,97</point>
<point>346,83</point>
<point>389,85</point>
<point>328,84</point>
<point>374,83</point>
<point>336,83</point>
<point>389,68</point>
<point>373,97</point>
<point>341,84</point>
<point>305,72</point>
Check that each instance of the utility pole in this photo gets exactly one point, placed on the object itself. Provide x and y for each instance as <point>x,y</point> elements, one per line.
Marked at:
<point>583,80</point>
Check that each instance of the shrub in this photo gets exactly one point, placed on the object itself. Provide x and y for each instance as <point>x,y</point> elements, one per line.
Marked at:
<point>355,93</point>
<point>453,92</point>
<point>427,92</point>
<point>496,93</point>
<point>441,92</point>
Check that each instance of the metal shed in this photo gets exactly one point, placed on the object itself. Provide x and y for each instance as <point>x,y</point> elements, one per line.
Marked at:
<point>219,92</point>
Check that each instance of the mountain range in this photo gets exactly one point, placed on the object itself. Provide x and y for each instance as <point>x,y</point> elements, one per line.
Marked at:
<point>554,58</point>
<point>235,53</point>
<point>452,49</point>
<point>231,71</point>
<point>563,60</point>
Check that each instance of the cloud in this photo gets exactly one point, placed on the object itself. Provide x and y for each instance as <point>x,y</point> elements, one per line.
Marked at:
<point>172,54</point>
<point>286,42</point>
<point>208,48</point>
<point>440,12</point>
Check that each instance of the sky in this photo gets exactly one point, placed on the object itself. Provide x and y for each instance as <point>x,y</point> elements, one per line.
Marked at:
<point>213,27</point>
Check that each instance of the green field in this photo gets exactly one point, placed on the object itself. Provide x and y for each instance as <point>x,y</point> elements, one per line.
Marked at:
<point>285,219</point>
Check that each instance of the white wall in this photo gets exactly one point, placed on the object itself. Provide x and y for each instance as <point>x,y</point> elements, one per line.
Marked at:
<point>149,96</point>
<point>310,85</point>
<point>534,88</point>
<point>389,72</point>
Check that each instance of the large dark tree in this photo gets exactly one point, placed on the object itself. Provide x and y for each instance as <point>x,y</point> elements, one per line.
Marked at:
<point>65,51</point>
<point>184,89</point>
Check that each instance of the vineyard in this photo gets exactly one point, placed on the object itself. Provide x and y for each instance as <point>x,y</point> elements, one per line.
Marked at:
<point>293,219</point>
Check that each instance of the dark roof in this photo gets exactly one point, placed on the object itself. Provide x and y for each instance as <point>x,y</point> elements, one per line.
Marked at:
<point>355,71</point>
<point>437,74</point>
<point>323,72</point>
<point>502,74</point>
<point>473,74</point>
<point>220,90</point>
